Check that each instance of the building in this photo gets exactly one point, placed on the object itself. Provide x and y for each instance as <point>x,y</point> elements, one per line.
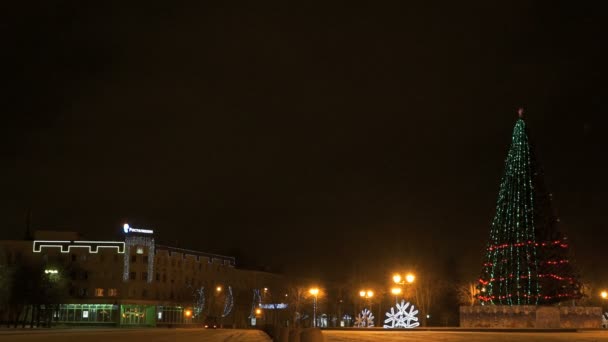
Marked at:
<point>138,282</point>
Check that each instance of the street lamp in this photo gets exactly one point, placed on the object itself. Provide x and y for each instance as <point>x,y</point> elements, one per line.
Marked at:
<point>314,291</point>
<point>409,278</point>
<point>218,288</point>
<point>604,294</point>
<point>367,294</point>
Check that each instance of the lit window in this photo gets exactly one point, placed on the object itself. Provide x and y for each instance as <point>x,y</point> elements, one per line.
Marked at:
<point>85,314</point>
<point>112,292</point>
<point>140,250</point>
<point>98,292</point>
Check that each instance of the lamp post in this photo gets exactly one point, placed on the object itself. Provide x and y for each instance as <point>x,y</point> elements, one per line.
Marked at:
<point>314,291</point>
<point>396,291</point>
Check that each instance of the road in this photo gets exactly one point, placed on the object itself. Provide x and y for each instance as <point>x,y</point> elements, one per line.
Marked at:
<point>237,335</point>
<point>456,336</point>
<point>131,335</point>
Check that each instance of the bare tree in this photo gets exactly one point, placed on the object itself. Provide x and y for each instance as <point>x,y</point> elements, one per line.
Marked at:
<point>467,294</point>
<point>426,292</point>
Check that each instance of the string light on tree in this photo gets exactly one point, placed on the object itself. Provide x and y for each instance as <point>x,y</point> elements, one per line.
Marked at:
<point>527,257</point>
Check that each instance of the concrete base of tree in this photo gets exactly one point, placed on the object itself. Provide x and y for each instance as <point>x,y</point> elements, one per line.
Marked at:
<point>529,316</point>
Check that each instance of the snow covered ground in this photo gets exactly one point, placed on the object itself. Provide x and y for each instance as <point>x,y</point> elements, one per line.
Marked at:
<point>456,336</point>
<point>131,335</point>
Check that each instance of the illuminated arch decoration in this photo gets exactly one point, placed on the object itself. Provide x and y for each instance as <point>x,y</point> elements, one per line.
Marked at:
<point>403,318</point>
<point>257,302</point>
<point>228,302</point>
<point>199,301</point>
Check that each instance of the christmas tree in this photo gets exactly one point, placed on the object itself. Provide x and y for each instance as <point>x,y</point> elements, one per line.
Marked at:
<point>527,257</point>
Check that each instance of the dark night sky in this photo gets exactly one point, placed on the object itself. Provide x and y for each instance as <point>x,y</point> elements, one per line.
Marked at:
<point>303,136</point>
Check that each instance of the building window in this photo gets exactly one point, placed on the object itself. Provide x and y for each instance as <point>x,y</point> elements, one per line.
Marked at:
<point>98,292</point>
<point>157,276</point>
<point>85,275</point>
<point>112,292</point>
<point>144,276</point>
<point>132,275</point>
<point>73,257</point>
<point>164,278</point>
<point>140,250</point>
<point>133,258</point>
<point>145,261</point>
<point>83,257</point>
<point>83,292</point>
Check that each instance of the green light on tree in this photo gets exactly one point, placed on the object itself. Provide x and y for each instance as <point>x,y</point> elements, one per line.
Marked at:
<point>527,257</point>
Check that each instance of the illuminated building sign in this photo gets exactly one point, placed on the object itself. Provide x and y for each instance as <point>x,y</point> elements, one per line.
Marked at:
<point>66,246</point>
<point>127,229</point>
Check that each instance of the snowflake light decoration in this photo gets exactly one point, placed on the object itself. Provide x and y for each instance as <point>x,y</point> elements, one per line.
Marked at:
<point>403,318</point>
<point>364,319</point>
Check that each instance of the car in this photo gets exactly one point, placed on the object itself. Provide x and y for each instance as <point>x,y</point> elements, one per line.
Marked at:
<point>211,323</point>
